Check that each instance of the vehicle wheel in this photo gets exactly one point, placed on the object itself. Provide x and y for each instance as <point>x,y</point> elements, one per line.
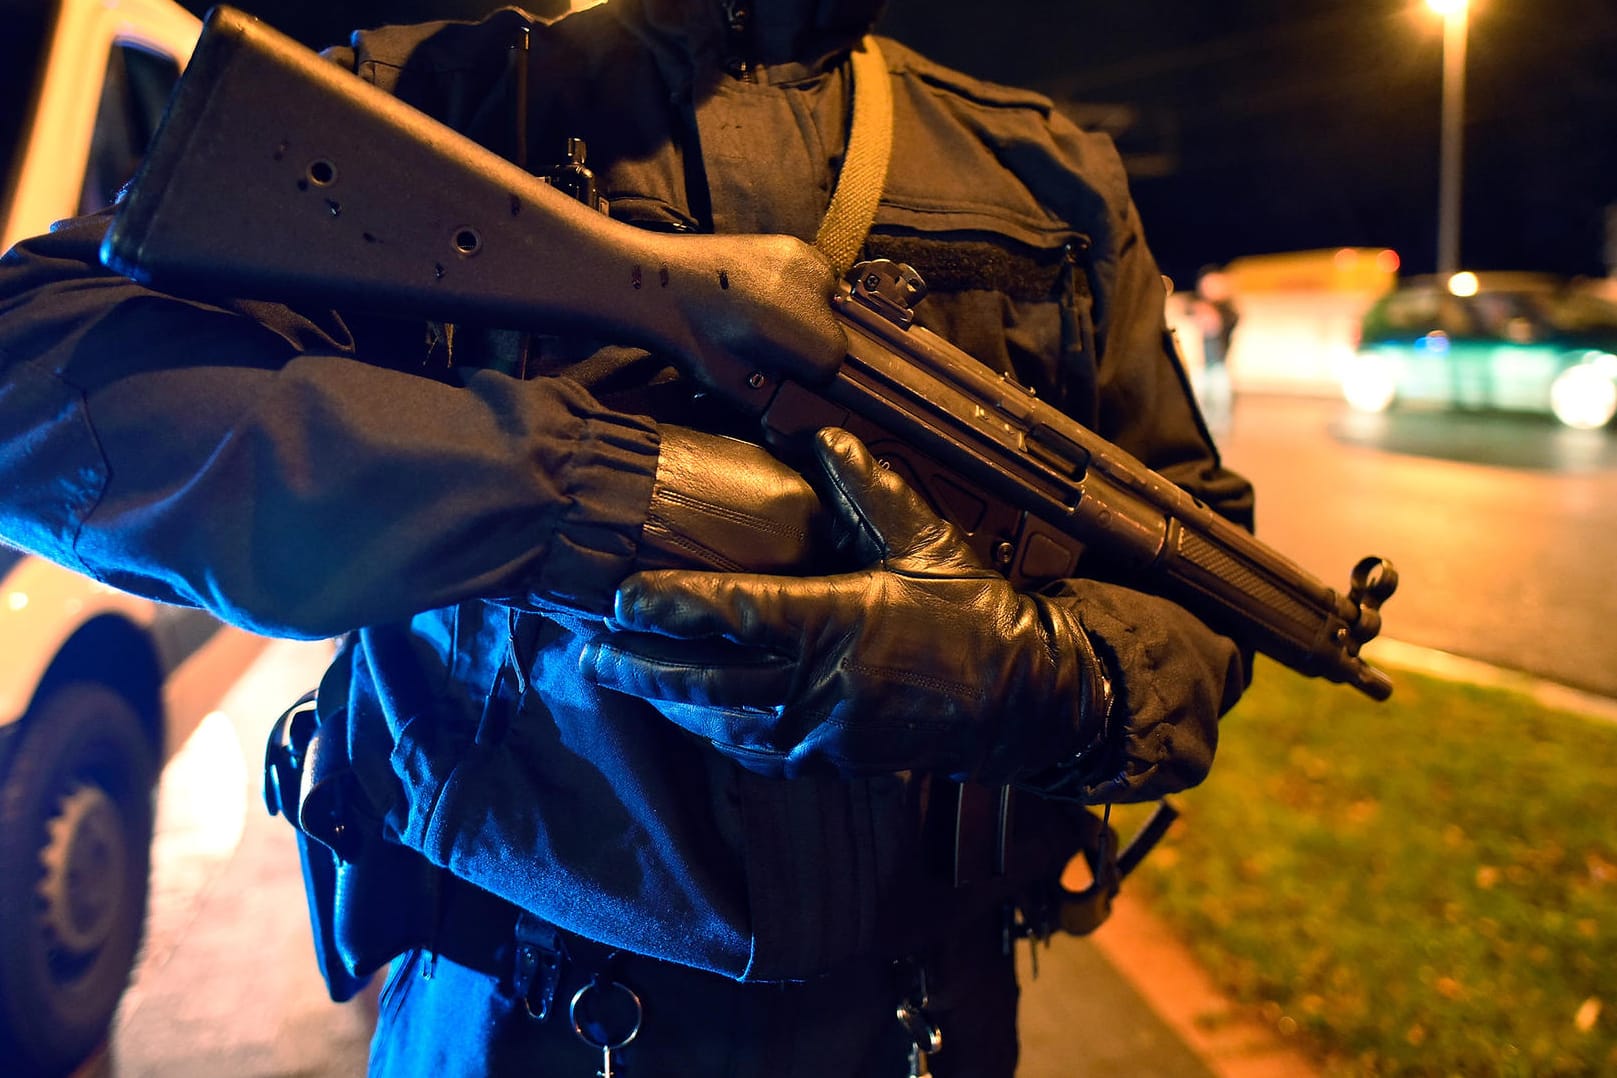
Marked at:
<point>75,848</point>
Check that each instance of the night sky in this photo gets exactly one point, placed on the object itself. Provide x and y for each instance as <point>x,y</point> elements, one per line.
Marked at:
<point>1267,126</point>
<point>1260,125</point>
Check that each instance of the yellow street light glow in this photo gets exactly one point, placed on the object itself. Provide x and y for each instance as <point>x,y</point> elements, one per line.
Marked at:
<point>1448,7</point>
<point>1463,283</point>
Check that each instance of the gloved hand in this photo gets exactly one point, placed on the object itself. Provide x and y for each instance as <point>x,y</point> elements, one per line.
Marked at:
<point>924,659</point>
<point>721,503</point>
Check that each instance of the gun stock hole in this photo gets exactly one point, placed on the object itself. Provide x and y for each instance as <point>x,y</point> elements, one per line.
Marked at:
<point>467,242</point>
<point>322,173</point>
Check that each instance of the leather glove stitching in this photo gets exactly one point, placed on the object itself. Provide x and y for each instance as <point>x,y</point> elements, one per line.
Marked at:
<point>702,553</point>
<point>709,508</point>
<point>601,654</point>
<point>960,690</point>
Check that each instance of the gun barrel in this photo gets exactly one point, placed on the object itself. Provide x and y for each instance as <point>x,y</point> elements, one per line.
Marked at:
<point>1092,498</point>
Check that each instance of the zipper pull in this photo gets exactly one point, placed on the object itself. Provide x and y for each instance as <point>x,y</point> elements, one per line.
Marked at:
<point>738,23</point>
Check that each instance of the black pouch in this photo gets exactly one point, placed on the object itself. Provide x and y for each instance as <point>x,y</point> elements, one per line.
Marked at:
<point>1048,905</point>
<point>369,899</point>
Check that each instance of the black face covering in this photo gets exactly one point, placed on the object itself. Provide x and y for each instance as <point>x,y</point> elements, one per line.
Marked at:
<point>767,32</point>
<point>801,30</point>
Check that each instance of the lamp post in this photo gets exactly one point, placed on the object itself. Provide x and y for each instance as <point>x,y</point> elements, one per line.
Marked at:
<point>1454,14</point>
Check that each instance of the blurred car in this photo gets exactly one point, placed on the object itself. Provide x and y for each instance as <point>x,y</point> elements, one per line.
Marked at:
<point>96,686</point>
<point>1513,342</point>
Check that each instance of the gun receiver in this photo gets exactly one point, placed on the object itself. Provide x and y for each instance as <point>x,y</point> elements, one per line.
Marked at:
<point>277,175</point>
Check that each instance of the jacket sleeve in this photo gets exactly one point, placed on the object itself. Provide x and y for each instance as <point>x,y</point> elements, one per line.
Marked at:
<point>238,458</point>
<point>1145,401</point>
<point>1172,675</point>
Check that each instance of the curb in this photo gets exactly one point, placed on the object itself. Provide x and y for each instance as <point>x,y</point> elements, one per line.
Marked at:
<point>1451,667</point>
<point>1226,1035</point>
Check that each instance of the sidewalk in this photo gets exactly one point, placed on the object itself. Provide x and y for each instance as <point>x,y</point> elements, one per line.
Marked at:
<point>1131,1001</point>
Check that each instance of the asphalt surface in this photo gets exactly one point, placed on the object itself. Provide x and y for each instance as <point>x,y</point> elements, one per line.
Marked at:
<point>1503,529</point>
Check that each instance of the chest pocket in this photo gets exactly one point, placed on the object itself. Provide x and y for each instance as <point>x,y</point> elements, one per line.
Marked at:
<point>1021,310</point>
<point>983,202</point>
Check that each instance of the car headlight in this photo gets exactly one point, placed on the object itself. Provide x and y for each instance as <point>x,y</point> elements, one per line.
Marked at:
<point>1584,396</point>
<point>1369,382</point>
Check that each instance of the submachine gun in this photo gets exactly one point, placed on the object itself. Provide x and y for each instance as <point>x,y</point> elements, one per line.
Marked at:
<point>278,175</point>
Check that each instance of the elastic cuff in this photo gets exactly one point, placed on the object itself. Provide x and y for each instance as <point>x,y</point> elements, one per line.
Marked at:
<point>1093,729</point>
<point>608,486</point>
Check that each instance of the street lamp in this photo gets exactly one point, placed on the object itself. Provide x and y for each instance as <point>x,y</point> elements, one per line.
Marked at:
<point>1454,14</point>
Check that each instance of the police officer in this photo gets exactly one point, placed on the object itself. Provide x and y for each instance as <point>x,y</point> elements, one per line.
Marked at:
<point>628,847</point>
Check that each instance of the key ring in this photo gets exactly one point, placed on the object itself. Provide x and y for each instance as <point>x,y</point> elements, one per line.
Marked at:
<point>596,985</point>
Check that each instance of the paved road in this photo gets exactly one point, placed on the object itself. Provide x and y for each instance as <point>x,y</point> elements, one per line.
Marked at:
<point>1504,530</point>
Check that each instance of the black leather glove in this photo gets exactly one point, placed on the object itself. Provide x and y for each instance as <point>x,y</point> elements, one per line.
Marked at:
<point>923,660</point>
<point>721,503</point>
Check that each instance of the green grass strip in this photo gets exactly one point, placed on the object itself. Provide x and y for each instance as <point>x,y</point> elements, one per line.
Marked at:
<point>1423,887</point>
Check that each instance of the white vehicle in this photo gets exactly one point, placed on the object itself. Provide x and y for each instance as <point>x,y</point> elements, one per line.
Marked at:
<point>96,686</point>
<point>1300,313</point>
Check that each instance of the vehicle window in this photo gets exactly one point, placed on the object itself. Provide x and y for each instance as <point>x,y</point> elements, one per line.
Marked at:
<point>1414,310</point>
<point>1519,317</point>
<point>1583,313</point>
<point>136,89</point>
<point>22,46</point>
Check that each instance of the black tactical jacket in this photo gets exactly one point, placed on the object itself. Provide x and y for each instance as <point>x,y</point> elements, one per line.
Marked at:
<point>440,494</point>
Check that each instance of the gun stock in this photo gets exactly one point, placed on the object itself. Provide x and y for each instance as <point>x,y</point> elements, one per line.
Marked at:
<point>278,175</point>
